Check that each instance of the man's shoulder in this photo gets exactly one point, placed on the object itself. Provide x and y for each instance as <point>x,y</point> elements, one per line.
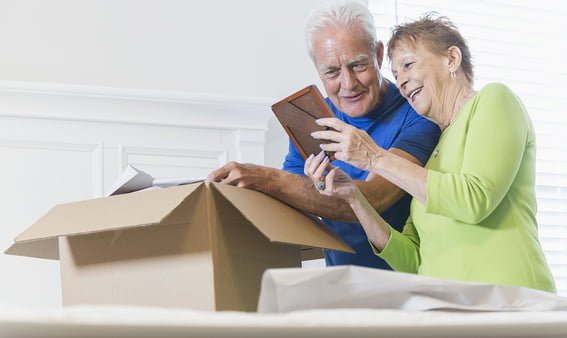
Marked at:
<point>402,114</point>
<point>395,104</point>
<point>407,121</point>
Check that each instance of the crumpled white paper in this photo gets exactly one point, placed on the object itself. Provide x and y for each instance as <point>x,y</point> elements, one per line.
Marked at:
<point>294,289</point>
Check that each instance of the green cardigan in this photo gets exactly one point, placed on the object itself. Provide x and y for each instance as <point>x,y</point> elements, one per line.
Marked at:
<point>479,223</point>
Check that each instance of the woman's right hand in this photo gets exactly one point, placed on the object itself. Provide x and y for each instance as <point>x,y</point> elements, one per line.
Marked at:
<point>349,144</point>
<point>328,179</point>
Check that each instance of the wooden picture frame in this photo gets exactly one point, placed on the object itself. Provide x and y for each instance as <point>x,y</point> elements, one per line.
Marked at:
<point>297,114</point>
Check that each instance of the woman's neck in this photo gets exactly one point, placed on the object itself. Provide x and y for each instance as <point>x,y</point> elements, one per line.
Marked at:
<point>461,94</point>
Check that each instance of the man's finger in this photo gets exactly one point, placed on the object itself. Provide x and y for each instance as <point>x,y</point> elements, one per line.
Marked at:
<point>217,175</point>
<point>221,173</point>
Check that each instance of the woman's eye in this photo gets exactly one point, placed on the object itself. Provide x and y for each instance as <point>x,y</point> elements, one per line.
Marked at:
<point>408,64</point>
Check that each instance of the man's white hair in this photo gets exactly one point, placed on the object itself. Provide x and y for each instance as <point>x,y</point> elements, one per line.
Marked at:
<point>345,14</point>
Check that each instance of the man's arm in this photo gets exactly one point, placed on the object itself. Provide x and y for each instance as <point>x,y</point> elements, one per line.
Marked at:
<point>299,192</point>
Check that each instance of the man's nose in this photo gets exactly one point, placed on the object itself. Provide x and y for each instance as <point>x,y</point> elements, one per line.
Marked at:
<point>348,80</point>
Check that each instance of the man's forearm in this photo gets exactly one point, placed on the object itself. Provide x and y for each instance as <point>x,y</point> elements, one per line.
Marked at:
<point>299,192</point>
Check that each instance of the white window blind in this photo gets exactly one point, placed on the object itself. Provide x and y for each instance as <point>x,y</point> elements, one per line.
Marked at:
<point>522,44</point>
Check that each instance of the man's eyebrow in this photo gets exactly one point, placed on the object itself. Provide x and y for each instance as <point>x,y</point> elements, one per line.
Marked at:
<point>359,58</point>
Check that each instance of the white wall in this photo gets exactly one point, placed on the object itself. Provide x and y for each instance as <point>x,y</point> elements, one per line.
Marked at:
<point>252,48</point>
<point>195,46</point>
<point>86,86</point>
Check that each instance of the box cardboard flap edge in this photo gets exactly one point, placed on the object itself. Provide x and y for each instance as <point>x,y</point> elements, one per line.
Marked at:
<point>278,221</point>
<point>98,215</point>
<point>275,220</point>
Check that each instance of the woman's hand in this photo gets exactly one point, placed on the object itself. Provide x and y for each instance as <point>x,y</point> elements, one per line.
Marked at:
<point>329,180</point>
<point>338,184</point>
<point>350,144</point>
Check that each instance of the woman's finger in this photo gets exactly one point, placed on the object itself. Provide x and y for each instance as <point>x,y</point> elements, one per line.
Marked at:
<point>307,165</point>
<point>329,186</point>
<point>312,165</point>
<point>332,122</point>
<point>320,170</point>
<point>330,178</point>
<point>330,135</point>
<point>331,147</point>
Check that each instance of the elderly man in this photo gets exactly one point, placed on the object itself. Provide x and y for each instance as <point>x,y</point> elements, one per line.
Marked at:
<point>342,43</point>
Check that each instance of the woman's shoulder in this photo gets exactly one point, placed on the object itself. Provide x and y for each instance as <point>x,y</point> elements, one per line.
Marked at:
<point>498,93</point>
<point>496,89</point>
<point>499,97</point>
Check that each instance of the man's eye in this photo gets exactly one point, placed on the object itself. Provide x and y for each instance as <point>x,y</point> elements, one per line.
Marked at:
<point>331,73</point>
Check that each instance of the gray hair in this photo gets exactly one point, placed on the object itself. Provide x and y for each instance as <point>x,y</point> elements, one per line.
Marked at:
<point>345,14</point>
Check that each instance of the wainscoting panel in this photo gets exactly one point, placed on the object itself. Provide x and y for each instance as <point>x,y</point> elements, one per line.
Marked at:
<point>62,143</point>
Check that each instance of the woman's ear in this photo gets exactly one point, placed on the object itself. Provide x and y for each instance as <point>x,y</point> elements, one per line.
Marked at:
<point>455,58</point>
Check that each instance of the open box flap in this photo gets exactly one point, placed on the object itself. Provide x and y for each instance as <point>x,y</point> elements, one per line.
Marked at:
<point>279,222</point>
<point>143,208</point>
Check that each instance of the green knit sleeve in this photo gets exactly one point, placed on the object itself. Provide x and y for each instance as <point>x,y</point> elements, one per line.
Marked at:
<point>402,250</point>
<point>497,134</point>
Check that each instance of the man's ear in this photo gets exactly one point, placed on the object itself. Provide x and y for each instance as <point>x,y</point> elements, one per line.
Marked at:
<point>455,57</point>
<point>379,53</point>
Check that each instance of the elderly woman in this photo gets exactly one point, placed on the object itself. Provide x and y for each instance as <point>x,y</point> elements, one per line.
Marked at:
<point>473,211</point>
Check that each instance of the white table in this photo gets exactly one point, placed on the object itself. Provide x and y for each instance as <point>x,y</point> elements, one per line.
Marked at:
<point>120,321</point>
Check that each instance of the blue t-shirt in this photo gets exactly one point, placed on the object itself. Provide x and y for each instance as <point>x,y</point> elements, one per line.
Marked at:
<point>393,124</point>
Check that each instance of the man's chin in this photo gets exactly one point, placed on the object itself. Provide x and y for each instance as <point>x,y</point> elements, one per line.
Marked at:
<point>354,111</point>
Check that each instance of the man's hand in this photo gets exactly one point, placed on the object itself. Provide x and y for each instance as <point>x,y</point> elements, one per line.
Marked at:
<point>242,175</point>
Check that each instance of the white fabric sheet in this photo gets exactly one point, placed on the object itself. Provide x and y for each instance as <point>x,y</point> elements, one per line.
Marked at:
<point>285,290</point>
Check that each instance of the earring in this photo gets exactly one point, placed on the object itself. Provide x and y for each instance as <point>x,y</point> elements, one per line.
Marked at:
<point>453,75</point>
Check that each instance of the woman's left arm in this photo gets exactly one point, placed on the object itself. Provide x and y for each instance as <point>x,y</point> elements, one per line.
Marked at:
<point>498,133</point>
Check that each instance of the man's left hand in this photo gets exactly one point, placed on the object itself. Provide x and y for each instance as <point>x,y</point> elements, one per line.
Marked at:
<point>242,175</point>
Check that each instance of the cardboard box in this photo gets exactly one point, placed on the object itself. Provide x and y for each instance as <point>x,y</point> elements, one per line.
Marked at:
<point>200,246</point>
